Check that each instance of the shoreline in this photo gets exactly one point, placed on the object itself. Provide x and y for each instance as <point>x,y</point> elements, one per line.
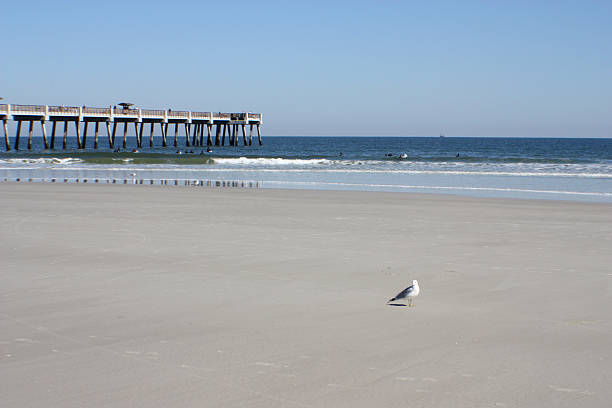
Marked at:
<point>123,296</point>
<point>572,169</point>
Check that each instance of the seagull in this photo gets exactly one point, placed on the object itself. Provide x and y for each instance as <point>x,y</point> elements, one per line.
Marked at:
<point>410,292</point>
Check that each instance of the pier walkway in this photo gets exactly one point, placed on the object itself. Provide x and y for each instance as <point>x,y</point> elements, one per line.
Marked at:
<point>196,124</point>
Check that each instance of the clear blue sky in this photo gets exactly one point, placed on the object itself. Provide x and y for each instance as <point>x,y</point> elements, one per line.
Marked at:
<point>462,68</point>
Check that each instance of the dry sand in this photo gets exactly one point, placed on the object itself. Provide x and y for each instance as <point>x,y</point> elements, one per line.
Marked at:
<point>133,296</point>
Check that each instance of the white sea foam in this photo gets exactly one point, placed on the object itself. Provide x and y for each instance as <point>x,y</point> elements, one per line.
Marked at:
<point>424,187</point>
<point>275,161</point>
<point>417,172</point>
<point>42,160</point>
<point>593,170</point>
<point>275,165</point>
<point>321,170</point>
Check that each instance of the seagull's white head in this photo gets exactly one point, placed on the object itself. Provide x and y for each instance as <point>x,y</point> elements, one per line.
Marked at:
<point>415,283</point>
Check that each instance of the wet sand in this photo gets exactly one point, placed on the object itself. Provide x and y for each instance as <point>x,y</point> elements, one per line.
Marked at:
<point>138,296</point>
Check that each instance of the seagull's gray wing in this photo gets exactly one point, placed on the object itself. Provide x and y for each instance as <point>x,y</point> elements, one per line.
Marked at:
<point>403,293</point>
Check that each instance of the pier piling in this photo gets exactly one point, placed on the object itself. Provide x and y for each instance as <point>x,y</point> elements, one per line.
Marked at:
<point>84,133</point>
<point>96,135</point>
<point>151,131</point>
<point>114,133</point>
<point>194,136</point>
<point>125,126</point>
<point>30,135</point>
<point>259,135</point>
<point>44,132</point>
<point>163,133</point>
<point>108,133</point>
<point>139,135</point>
<point>78,132</point>
<point>176,134</point>
<point>6,136</point>
<point>65,141</point>
<point>18,135</point>
<point>187,143</point>
<point>53,135</point>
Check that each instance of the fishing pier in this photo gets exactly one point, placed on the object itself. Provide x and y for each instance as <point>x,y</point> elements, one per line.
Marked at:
<point>196,125</point>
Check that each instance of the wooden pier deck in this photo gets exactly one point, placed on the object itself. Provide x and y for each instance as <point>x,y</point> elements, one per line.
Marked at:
<point>196,124</point>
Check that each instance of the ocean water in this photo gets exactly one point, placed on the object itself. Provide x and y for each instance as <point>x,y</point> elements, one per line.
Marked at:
<point>531,168</point>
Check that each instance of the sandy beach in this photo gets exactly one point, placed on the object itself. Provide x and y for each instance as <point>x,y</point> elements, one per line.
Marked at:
<point>138,296</point>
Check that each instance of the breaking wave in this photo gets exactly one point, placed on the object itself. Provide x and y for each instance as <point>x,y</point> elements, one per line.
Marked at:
<point>42,160</point>
<point>275,161</point>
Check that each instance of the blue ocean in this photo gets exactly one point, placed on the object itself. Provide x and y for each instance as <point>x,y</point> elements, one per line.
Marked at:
<point>529,168</point>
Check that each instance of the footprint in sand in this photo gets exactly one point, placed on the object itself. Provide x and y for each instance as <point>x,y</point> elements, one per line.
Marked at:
<point>571,390</point>
<point>24,340</point>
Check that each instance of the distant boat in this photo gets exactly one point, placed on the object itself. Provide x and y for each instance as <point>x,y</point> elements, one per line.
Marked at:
<point>441,135</point>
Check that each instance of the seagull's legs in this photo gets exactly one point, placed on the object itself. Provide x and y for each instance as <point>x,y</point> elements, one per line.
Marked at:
<point>410,304</point>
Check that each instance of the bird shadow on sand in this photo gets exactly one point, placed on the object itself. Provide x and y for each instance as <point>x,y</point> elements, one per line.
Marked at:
<point>396,304</point>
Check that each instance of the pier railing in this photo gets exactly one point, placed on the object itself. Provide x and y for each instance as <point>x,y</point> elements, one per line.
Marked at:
<point>178,114</point>
<point>149,113</point>
<point>96,111</point>
<point>237,116</point>
<point>64,110</point>
<point>200,115</point>
<point>28,108</point>
<point>126,112</point>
